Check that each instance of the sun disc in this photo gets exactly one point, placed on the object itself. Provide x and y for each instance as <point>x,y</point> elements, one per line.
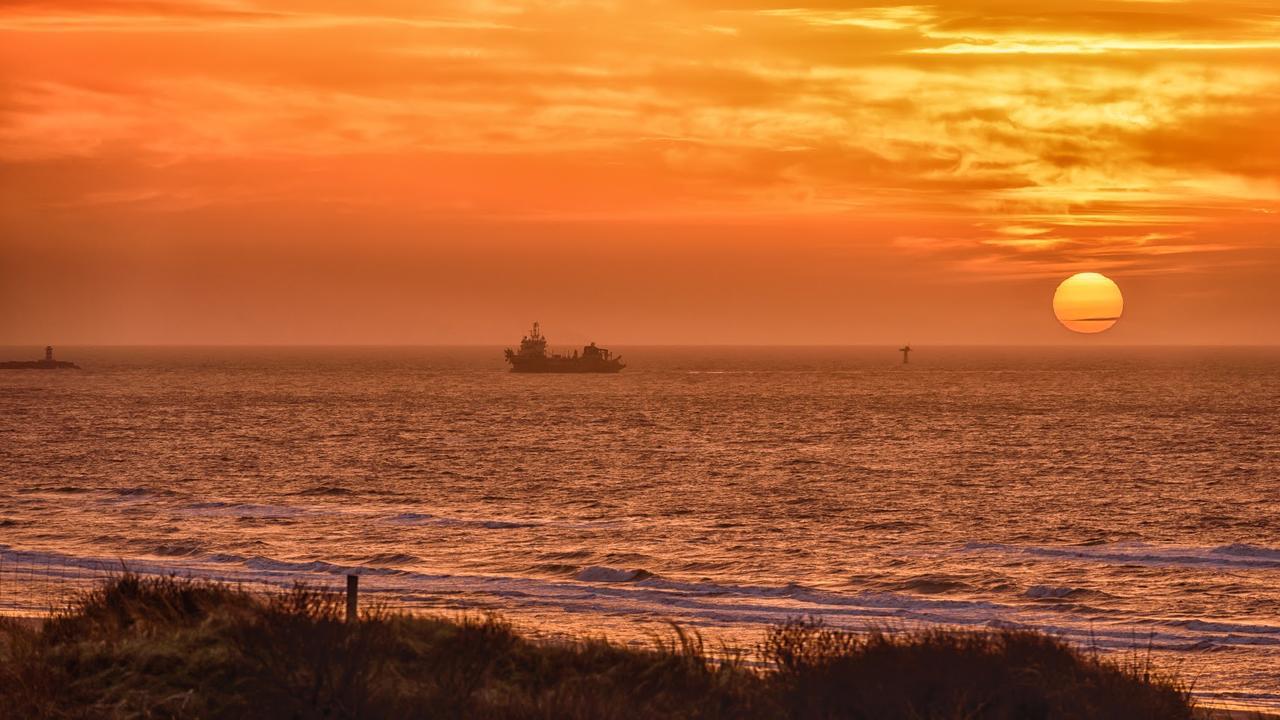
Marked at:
<point>1088,303</point>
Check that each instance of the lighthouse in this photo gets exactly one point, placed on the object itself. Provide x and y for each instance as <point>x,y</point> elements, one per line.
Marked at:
<point>905,350</point>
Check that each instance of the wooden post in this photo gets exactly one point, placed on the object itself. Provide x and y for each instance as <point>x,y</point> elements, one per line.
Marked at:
<point>353,597</point>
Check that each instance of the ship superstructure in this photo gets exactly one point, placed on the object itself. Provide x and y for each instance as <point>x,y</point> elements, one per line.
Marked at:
<point>532,357</point>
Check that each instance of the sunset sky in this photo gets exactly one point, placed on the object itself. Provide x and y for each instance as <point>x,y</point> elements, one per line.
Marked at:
<point>670,171</point>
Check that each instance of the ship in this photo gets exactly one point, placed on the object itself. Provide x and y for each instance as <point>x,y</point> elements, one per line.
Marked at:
<point>533,358</point>
<point>48,363</point>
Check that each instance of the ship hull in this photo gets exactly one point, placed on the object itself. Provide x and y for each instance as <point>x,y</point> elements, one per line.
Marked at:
<point>564,365</point>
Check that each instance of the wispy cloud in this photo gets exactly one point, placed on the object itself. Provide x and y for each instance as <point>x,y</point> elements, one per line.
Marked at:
<point>1107,132</point>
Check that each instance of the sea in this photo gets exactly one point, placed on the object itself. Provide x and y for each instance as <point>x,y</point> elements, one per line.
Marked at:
<point>1125,499</point>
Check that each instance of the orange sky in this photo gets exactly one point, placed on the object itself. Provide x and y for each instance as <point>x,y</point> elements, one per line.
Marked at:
<point>664,171</point>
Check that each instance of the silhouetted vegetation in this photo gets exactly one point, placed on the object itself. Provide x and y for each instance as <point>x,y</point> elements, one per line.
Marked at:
<point>170,648</point>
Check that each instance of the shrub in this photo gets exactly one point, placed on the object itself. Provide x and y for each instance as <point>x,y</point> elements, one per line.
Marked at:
<point>165,647</point>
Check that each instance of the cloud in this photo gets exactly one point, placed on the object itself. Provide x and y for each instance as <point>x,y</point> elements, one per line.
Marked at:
<point>1090,128</point>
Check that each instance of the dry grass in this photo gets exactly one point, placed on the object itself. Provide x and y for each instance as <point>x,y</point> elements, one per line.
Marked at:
<point>170,648</point>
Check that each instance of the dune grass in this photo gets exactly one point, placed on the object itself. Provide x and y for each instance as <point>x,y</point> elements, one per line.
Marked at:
<point>171,648</point>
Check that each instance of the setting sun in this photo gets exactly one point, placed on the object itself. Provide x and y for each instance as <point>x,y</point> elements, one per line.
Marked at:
<point>1088,303</point>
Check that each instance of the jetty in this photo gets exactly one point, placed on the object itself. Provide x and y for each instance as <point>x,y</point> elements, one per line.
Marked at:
<point>48,363</point>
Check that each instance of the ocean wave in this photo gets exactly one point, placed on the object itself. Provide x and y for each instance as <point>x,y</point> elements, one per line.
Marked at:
<point>325,491</point>
<point>579,554</point>
<point>142,492</point>
<point>702,566</point>
<point>1225,627</point>
<point>1138,553</point>
<point>932,585</point>
<point>412,518</point>
<point>1051,592</point>
<point>176,549</point>
<point>557,569</point>
<point>1000,624</point>
<point>247,510</point>
<point>1246,550</point>
<point>601,573</point>
<point>224,558</point>
<point>892,525</point>
<point>626,558</point>
<point>55,489</point>
<point>393,559</point>
<point>314,567</point>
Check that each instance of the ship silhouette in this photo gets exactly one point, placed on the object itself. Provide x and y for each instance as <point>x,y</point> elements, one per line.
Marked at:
<point>48,363</point>
<point>533,358</point>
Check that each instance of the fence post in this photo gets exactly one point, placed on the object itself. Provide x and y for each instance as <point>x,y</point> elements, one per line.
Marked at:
<point>353,596</point>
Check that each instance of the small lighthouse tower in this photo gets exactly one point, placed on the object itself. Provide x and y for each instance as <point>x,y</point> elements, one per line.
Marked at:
<point>48,353</point>
<point>905,350</point>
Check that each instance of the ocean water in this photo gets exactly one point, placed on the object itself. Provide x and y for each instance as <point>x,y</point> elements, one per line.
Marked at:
<point>1126,499</point>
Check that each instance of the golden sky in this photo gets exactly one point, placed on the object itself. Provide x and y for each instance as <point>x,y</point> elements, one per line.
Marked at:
<point>684,171</point>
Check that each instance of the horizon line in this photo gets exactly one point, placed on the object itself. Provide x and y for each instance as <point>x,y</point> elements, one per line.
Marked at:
<point>1083,344</point>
